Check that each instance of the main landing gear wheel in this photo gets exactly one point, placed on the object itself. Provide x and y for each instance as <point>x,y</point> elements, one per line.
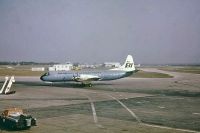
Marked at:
<point>90,85</point>
<point>85,85</point>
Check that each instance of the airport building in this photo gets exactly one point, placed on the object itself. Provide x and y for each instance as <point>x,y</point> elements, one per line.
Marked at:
<point>61,67</point>
<point>37,69</point>
<point>111,64</point>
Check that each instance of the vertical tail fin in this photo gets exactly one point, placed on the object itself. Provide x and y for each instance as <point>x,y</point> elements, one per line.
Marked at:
<point>128,65</point>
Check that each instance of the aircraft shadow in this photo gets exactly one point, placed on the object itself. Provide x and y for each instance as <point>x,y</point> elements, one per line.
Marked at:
<point>61,84</point>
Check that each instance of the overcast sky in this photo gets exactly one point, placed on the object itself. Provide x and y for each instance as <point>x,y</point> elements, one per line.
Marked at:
<point>153,31</point>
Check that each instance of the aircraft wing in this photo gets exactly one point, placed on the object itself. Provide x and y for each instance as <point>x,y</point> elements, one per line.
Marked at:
<point>86,77</point>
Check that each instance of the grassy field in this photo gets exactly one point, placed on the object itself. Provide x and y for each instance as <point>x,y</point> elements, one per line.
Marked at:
<point>144,74</point>
<point>19,72</point>
<point>187,69</point>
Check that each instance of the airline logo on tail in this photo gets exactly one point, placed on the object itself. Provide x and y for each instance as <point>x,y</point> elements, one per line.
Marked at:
<point>128,65</point>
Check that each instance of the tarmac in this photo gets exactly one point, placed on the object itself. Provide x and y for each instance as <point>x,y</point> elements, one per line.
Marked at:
<point>68,107</point>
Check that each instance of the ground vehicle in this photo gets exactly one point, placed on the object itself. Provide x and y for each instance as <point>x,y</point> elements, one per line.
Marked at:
<point>14,118</point>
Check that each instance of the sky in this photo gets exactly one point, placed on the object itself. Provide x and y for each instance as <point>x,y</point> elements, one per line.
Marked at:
<point>96,31</point>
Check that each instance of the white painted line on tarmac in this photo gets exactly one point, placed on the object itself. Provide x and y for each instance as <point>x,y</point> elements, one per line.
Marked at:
<point>196,113</point>
<point>94,112</point>
<point>130,111</point>
<point>163,127</point>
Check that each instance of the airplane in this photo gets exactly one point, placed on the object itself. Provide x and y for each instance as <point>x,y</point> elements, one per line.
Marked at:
<point>86,77</point>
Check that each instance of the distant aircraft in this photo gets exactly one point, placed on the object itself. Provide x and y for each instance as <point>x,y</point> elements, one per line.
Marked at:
<point>86,77</point>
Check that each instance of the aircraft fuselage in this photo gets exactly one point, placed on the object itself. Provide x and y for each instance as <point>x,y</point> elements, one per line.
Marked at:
<point>62,76</point>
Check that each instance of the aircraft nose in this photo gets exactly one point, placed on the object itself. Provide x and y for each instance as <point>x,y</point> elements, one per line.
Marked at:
<point>42,78</point>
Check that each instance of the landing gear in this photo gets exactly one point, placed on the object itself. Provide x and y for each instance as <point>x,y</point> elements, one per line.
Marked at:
<point>90,85</point>
<point>82,84</point>
<point>86,84</point>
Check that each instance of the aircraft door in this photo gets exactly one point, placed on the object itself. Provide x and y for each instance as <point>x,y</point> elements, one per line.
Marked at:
<point>75,76</point>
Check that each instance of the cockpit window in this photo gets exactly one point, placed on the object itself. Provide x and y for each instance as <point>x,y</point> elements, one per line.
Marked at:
<point>46,74</point>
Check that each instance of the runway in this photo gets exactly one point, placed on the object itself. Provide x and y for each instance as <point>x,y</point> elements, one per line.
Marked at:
<point>111,106</point>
